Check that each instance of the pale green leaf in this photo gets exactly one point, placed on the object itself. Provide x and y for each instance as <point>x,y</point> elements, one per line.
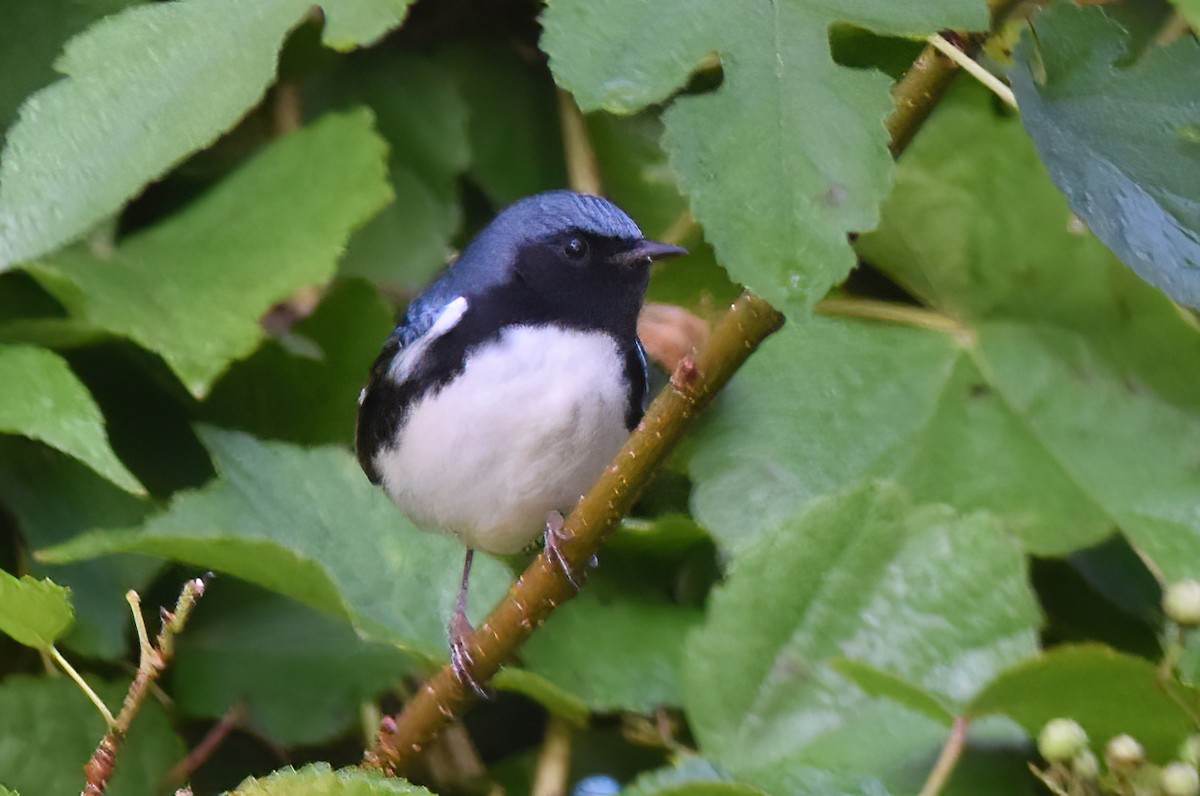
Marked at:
<point>789,153</point>
<point>934,599</point>
<point>307,523</point>
<point>34,612</point>
<point>318,779</point>
<point>1107,692</point>
<point>1123,143</point>
<point>49,729</point>
<point>143,89</point>
<point>192,288</point>
<point>44,400</point>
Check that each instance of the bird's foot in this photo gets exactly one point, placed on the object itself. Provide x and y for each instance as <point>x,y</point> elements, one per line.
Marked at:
<point>461,661</point>
<point>554,539</point>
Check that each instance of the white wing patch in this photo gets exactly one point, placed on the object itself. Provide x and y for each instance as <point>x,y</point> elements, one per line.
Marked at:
<point>402,366</point>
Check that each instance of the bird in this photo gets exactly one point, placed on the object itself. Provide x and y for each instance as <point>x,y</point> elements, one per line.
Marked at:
<point>512,380</point>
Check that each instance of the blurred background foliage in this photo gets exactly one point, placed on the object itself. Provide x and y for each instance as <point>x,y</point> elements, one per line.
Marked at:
<point>946,498</point>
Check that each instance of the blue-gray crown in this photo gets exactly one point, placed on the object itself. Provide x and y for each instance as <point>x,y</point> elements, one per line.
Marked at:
<point>555,212</point>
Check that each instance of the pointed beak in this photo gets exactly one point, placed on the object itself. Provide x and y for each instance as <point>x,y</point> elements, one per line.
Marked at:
<point>648,250</point>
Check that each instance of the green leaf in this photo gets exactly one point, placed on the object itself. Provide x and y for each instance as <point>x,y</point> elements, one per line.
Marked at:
<point>693,776</point>
<point>937,600</point>
<point>34,612</point>
<point>318,779</point>
<point>1122,143</point>
<point>620,655</point>
<point>307,524</point>
<point>789,153</point>
<point>83,146</point>
<point>49,729</point>
<point>44,401</point>
<point>559,701</point>
<point>307,398</point>
<point>193,288</point>
<point>1105,691</point>
<point>6,792</point>
<point>422,117</point>
<point>30,39</point>
<point>881,684</point>
<point>52,499</point>
<point>1190,10</point>
<point>1044,386</point>
<point>301,675</point>
<point>512,120</point>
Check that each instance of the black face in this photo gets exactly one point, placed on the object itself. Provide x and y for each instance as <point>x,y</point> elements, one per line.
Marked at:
<point>587,280</point>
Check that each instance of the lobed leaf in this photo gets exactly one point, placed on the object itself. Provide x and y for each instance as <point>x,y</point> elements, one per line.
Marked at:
<point>44,400</point>
<point>789,153</point>
<point>193,288</point>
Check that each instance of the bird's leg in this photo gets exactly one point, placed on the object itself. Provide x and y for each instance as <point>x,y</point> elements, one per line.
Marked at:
<point>554,540</point>
<point>461,632</point>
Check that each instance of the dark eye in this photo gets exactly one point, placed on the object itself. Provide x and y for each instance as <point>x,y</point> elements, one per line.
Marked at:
<point>575,248</point>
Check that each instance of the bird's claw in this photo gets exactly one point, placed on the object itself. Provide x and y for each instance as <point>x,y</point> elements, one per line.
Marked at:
<point>554,540</point>
<point>461,661</point>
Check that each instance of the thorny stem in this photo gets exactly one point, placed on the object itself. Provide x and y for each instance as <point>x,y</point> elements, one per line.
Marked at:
<point>152,661</point>
<point>182,771</point>
<point>948,759</point>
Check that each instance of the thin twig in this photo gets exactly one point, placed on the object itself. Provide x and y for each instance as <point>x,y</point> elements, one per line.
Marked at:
<point>990,81</point>
<point>182,771</point>
<point>554,761</point>
<point>948,759</point>
<point>83,686</point>
<point>152,661</point>
<point>583,170</point>
<point>139,622</point>
<point>902,314</point>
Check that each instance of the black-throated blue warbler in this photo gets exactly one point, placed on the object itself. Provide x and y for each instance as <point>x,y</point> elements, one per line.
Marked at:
<point>513,379</point>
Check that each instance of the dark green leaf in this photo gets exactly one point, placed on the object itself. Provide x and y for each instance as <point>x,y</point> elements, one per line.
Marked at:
<point>307,524</point>
<point>1105,691</point>
<point>789,154</point>
<point>424,121</point>
<point>307,398</point>
<point>44,400</point>
<point>193,288</point>
<point>512,121</point>
<point>934,599</point>
<point>300,675</point>
<point>1122,143</point>
<point>49,729</point>
<point>53,499</point>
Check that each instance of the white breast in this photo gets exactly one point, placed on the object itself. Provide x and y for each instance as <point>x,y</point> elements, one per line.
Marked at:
<point>525,429</point>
